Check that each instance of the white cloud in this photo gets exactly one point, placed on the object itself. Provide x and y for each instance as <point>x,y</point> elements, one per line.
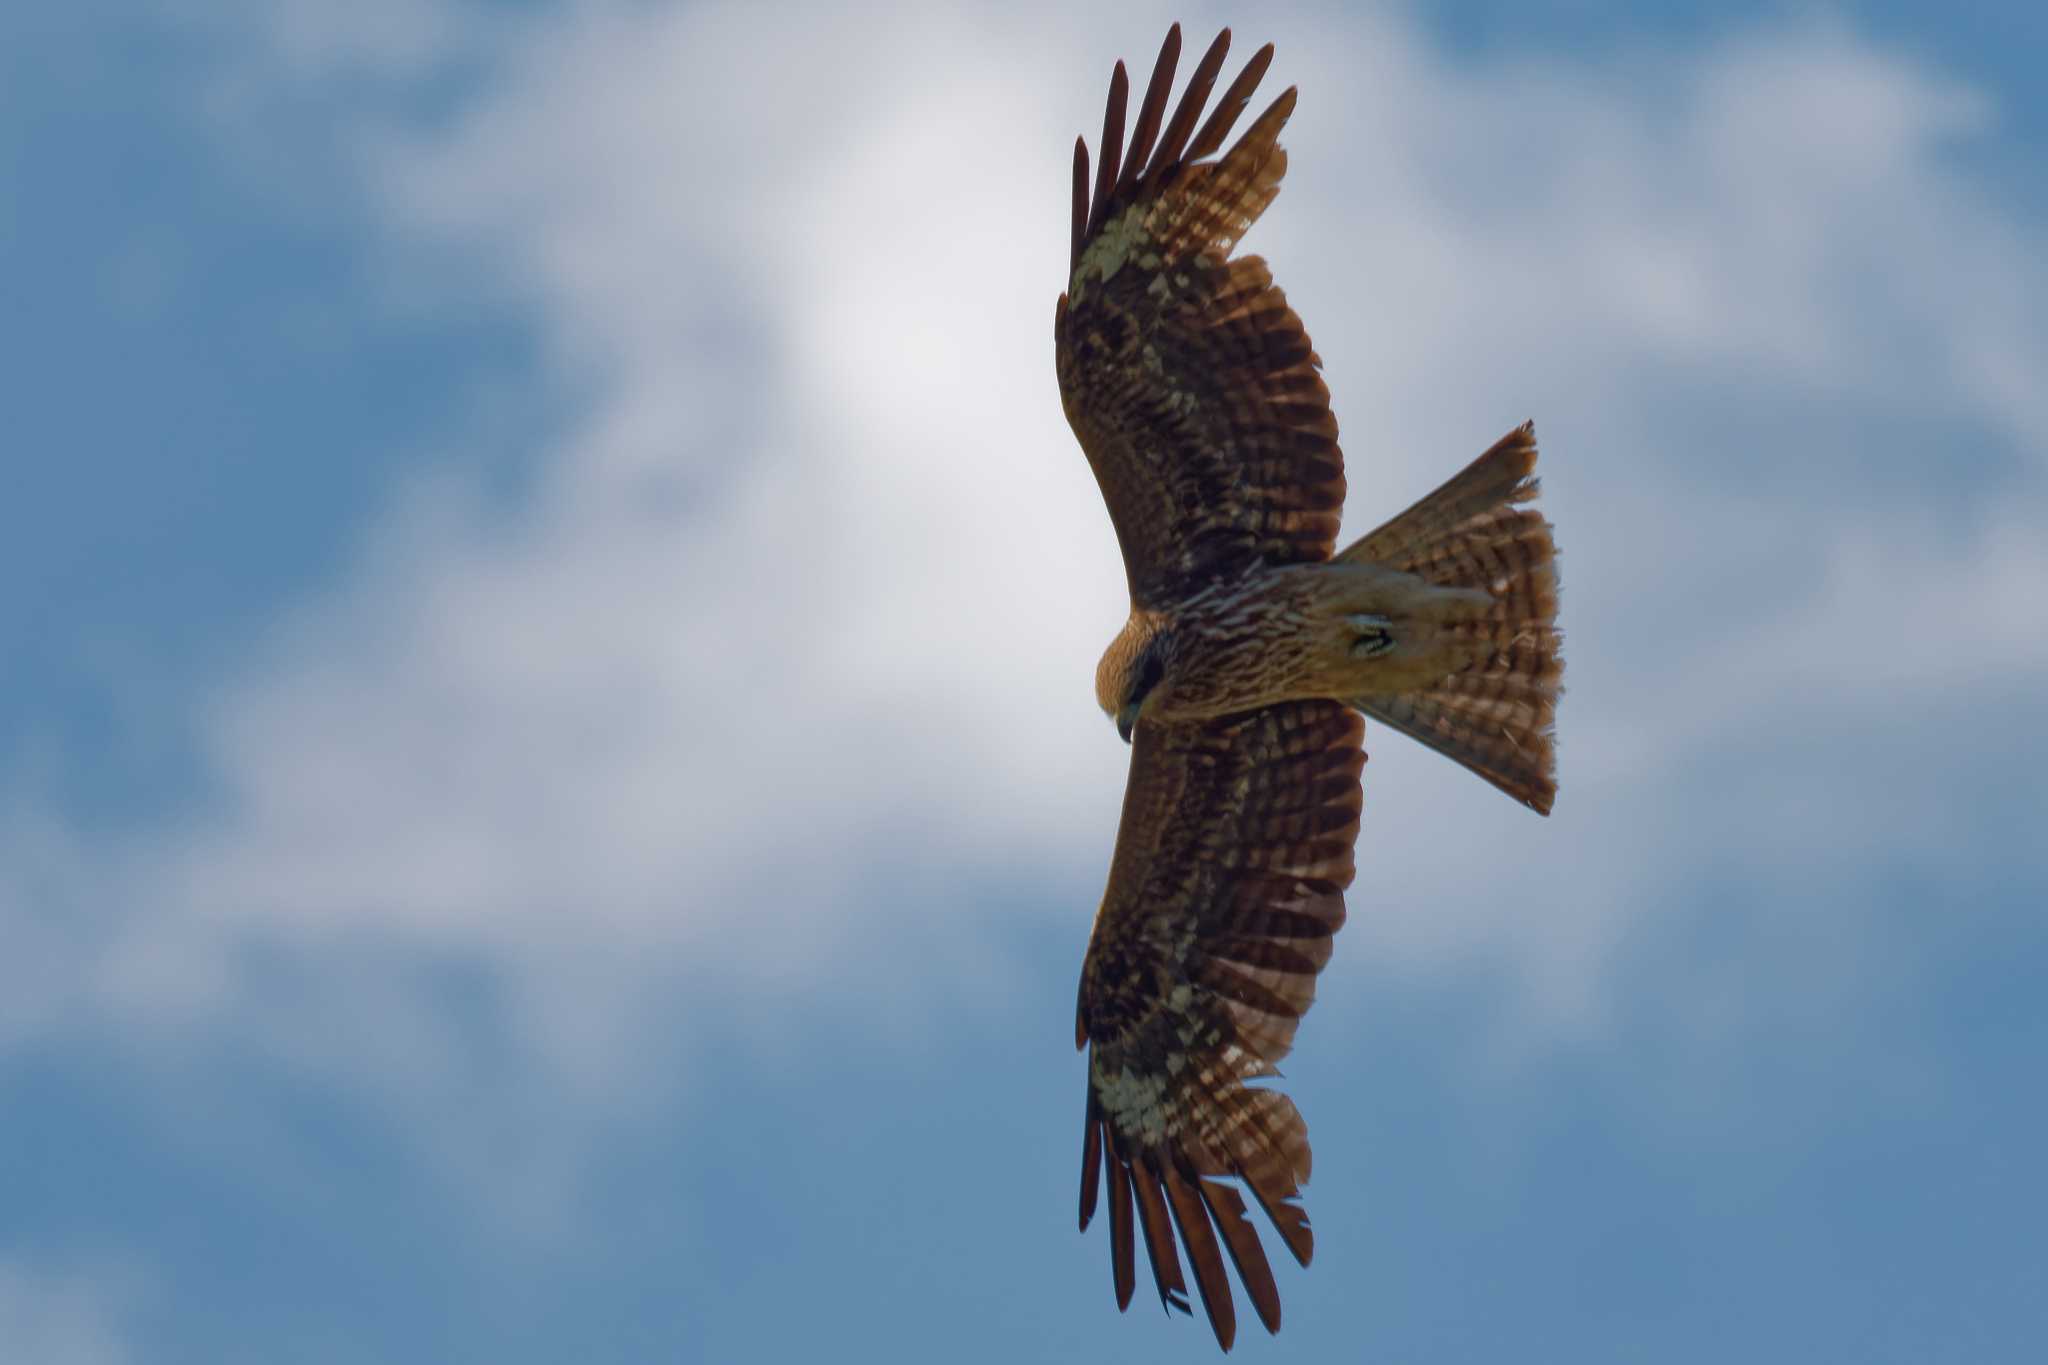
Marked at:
<point>804,608</point>
<point>58,1319</point>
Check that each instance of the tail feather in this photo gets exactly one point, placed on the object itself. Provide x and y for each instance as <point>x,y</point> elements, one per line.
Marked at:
<point>1498,716</point>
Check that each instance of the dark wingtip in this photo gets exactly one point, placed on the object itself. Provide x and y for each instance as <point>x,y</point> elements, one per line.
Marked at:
<point>1232,105</point>
<point>1112,148</point>
<point>1157,1225</point>
<point>1205,1256</point>
<point>1091,1165</point>
<point>1080,221</point>
<point>1122,1252</point>
<point>1146,132</point>
<point>1174,141</point>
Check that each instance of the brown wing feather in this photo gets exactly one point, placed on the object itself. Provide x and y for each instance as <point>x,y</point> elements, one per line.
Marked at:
<point>1228,882</point>
<point>1226,1210</point>
<point>1191,1220</point>
<point>1189,382</point>
<point>1122,1255</point>
<point>1159,1245</point>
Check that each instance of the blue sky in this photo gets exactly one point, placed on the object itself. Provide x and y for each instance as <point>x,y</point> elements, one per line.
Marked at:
<point>550,796</point>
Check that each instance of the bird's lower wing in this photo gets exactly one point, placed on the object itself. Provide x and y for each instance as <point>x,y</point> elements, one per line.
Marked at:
<point>1228,882</point>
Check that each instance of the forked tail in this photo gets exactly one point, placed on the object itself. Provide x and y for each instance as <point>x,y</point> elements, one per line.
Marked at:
<point>1497,716</point>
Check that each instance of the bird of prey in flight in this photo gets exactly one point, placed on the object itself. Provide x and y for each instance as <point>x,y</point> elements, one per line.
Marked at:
<point>1252,648</point>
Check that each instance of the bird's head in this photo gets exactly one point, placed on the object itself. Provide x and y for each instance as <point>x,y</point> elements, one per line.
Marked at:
<point>1130,672</point>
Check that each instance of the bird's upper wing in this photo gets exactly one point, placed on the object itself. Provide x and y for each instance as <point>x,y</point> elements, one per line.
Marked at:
<point>1186,377</point>
<point>1227,884</point>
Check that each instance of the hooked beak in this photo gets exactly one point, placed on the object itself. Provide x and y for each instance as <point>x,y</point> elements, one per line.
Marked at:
<point>1127,721</point>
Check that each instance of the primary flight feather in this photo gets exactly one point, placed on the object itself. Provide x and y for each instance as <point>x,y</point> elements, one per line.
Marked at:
<point>1240,678</point>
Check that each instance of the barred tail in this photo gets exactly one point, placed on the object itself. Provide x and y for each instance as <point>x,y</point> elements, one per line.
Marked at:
<point>1497,716</point>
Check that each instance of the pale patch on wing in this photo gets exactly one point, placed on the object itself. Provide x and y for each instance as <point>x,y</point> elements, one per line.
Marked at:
<point>1122,238</point>
<point>1135,1104</point>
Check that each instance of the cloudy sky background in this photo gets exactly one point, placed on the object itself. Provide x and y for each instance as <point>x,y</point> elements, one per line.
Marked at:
<point>550,796</point>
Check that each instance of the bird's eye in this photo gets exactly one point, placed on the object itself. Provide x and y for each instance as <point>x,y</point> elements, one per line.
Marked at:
<point>1150,671</point>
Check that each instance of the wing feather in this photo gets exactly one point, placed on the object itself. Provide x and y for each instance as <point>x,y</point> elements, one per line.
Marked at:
<point>1175,140</point>
<point>1232,106</point>
<point>1231,862</point>
<point>1159,1244</point>
<point>1091,1164</point>
<point>1150,111</point>
<point>1189,381</point>
<point>1191,1219</point>
<point>1226,1209</point>
<point>1122,1254</point>
<point>1112,152</point>
<point>1080,194</point>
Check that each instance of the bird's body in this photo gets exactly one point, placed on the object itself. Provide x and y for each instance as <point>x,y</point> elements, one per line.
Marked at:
<point>1294,633</point>
<point>1252,650</point>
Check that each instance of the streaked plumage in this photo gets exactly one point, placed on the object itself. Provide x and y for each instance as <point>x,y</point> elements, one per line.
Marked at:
<point>1250,653</point>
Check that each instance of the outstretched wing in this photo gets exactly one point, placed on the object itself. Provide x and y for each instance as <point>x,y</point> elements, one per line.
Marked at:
<point>1227,884</point>
<point>1186,377</point>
